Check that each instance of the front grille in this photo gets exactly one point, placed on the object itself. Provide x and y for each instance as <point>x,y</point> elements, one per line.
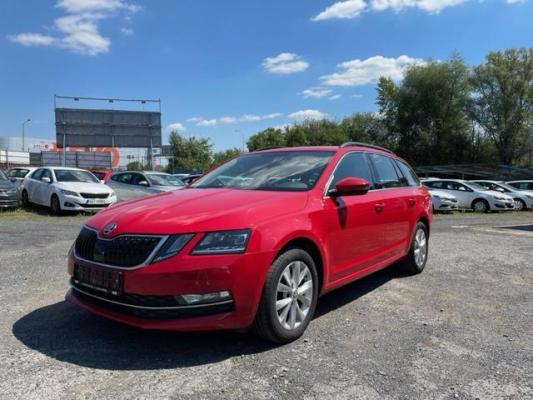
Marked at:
<point>93,205</point>
<point>124,251</point>
<point>148,301</point>
<point>94,195</point>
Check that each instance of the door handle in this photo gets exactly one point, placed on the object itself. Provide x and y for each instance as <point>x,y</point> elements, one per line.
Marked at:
<point>411,202</point>
<point>379,207</point>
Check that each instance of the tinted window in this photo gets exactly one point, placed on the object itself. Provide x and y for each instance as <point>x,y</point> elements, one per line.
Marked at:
<point>269,170</point>
<point>122,178</point>
<point>386,172</point>
<point>37,174</point>
<point>18,173</point>
<point>352,165</point>
<point>408,174</point>
<point>138,178</point>
<point>434,184</point>
<point>99,175</point>
<point>164,180</point>
<point>3,177</point>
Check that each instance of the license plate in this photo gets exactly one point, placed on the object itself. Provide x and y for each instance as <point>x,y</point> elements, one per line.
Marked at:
<point>102,280</point>
<point>95,201</point>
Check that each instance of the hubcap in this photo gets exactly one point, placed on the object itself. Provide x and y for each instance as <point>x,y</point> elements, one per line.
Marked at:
<point>479,206</point>
<point>518,205</point>
<point>294,295</point>
<point>421,247</point>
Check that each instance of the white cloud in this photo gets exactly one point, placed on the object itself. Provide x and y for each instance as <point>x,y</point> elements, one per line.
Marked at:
<point>307,115</point>
<point>32,39</point>
<point>227,120</point>
<point>285,63</point>
<point>207,122</point>
<point>431,6</point>
<point>362,72</point>
<point>316,92</point>
<point>78,30</point>
<point>200,121</point>
<point>335,97</point>
<point>250,118</point>
<point>342,10</point>
<point>127,31</point>
<point>356,96</point>
<point>176,126</point>
<point>195,119</point>
<point>271,116</point>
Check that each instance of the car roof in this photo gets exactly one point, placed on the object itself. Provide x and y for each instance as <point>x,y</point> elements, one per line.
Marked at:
<point>521,181</point>
<point>66,168</point>
<point>344,148</point>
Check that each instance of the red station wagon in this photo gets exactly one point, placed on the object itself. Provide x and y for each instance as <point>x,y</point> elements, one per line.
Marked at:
<point>253,243</point>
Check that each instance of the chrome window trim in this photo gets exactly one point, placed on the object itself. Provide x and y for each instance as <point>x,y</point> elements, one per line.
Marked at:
<point>152,308</point>
<point>147,261</point>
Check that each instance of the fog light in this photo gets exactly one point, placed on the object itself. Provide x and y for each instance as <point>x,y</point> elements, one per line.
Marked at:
<point>67,204</point>
<point>206,297</point>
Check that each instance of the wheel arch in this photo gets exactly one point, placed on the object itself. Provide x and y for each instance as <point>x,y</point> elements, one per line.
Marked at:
<point>481,199</point>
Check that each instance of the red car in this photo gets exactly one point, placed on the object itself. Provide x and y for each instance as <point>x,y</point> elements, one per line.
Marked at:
<point>103,174</point>
<point>253,243</point>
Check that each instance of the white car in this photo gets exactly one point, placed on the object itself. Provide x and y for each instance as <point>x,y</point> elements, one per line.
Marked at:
<point>442,201</point>
<point>17,175</point>
<point>522,185</point>
<point>472,196</point>
<point>62,188</point>
<point>523,199</point>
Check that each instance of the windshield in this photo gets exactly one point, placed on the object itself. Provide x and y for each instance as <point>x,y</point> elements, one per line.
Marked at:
<point>505,187</point>
<point>2,176</point>
<point>286,171</point>
<point>476,186</point>
<point>164,180</point>
<point>69,175</point>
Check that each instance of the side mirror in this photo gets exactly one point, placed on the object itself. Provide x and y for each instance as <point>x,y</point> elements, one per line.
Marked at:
<point>102,181</point>
<point>46,179</point>
<point>143,183</point>
<point>350,186</point>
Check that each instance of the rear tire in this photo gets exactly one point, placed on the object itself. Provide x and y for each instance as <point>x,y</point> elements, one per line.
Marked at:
<point>480,206</point>
<point>289,297</point>
<point>24,197</point>
<point>55,206</point>
<point>415,261</point>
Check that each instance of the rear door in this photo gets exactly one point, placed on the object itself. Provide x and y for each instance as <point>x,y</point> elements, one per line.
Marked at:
<point>121,184</point>
<point>32,185</point>
<point>398,200</point>
<point>42,192</point>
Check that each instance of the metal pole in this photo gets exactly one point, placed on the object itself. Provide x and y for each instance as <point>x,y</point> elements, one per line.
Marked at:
<point>23,125</point>
<point>64,149</point>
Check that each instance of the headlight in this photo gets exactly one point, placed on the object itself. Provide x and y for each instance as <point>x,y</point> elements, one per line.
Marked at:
<point>172,246</point>
<point>69,193</point>
<point>436,196</point>
<point>112,194</point>
<point>500,198</point>
<point>223,242</point>
<point>528,196</point>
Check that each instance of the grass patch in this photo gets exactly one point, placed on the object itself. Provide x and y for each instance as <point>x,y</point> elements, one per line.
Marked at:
<point>38,213</point>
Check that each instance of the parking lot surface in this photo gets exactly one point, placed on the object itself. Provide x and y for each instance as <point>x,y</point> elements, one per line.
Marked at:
<point>463,329</point>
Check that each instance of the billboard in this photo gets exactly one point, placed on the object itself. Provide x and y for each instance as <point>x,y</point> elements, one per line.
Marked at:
<point>107,128</point>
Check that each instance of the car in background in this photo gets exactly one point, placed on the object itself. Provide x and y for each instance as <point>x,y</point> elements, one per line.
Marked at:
<point>102,174</point>
<point>523,200</point>
<point>470,195</point>
<point>131,184</point>
<point>62,188</point>
<point>17,175</point>
<point>442,201</point>
<point>521,185</point>
<point>188,179</point>
<point>9,197</point>
<point>253,243</point>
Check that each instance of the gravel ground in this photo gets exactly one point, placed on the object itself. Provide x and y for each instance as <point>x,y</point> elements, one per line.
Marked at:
<point>463,329</point>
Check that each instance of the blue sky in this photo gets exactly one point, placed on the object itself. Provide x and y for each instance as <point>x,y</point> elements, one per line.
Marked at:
<point>224,69</point>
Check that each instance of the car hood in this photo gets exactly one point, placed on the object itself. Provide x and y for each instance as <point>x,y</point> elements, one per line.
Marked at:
<point>198,210</point>
<point>84,187</point>
<point>442,194</point>
<point>497,194</point>
<point>6,185</point>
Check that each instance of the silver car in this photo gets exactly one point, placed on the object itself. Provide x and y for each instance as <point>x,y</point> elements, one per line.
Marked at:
<point>523,199</point>
<point>130,184</point>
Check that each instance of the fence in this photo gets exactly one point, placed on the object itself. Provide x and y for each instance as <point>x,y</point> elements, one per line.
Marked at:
<point>77,159</point>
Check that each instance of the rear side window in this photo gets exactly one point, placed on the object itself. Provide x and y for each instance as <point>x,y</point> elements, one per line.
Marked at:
<point>352,165</point>
<point>408,174</point>
<point>387,176</point>
<point>434,185</point>
<point>37,174</point>
<point>122,178</point>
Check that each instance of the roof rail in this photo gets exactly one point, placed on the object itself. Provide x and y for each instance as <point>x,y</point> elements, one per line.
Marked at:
<point>270,148</point>
<point>371,146</point>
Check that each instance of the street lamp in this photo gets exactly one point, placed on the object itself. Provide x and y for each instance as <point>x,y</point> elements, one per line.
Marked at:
<point>23,124</point>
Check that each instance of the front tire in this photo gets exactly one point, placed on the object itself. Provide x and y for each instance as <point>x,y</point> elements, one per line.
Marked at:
<point>55,206</point>
<point>289,297</point>
<point>415,261</point>
<point>519,205</point>
<point>480,206</point>
<point>25,198</point>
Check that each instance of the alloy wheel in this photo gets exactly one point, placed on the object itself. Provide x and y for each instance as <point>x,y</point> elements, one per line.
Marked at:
<point>420,247</point>
<point>294,295</point>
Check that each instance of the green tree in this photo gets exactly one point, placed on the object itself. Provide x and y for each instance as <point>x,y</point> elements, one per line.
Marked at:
<point>222,156</point>
<point>270,137</point>
<point>191,152</point>
<point>369,128</point>
<point>135,166</point>
<point>502,102</point>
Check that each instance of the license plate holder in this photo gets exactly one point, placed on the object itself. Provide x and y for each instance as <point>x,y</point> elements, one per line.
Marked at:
<point>95,201</point>
<point>99,279</point>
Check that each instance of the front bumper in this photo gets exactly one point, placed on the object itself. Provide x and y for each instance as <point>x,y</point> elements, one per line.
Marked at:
<point>75,203</point>
<point>144,301</point>
<point>504,205</point>
<point>9,201</point>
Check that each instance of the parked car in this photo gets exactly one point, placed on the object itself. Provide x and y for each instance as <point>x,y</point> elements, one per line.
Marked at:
<point>254,242</point>
<point>17,175</point>
<point>8,192</point>
<point>131,184</point>
<point>62,188</point>
<point>442,201</point>
<point>187,180</point>
<point>102,174</point>
<point>470,195</point>
<point>523,199</point>
<point>521,185</point>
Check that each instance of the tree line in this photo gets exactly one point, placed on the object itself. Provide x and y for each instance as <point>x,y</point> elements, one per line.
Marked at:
<point>442,112</point>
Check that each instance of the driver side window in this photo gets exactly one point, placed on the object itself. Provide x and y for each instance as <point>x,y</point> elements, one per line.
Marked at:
<point>352,165</point>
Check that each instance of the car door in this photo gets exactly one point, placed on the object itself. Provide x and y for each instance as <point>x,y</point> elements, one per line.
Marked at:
<point>32,185</point>
<point>142,185</point>
<point>398,201</point>
<point>121,184</point>
<point>42,192</point>
<point>353,228</point>
<point>465,196</point>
